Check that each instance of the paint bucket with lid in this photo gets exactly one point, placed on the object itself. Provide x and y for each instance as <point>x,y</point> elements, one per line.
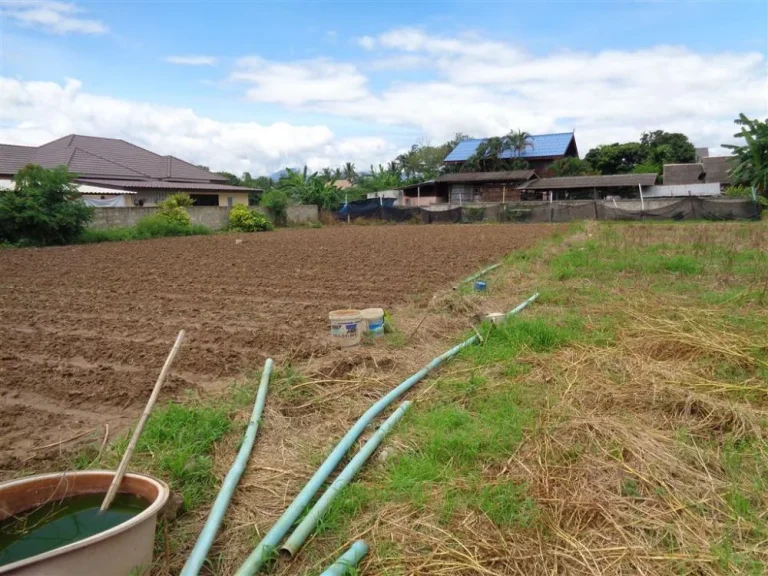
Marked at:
<point>373,321</point>
<point>345,327</point>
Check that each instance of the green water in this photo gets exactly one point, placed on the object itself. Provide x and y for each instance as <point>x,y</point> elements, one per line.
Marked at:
<point>62,522</point>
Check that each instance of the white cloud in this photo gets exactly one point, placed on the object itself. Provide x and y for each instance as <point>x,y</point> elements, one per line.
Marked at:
<point>192,60</point>
<point>484,88</point>
<point>300,82</point>
<point>51,16</point>
<point>32,113</point>
<point>366,42</point>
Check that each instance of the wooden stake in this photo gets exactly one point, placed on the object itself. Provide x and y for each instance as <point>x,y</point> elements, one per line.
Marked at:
<point>140,425</point>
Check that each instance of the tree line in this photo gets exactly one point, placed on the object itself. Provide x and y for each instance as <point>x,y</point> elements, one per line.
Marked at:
<point>425,162</point>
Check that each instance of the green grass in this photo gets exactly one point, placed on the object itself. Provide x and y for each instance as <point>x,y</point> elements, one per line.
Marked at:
<point>474,424</point>
<point>176,445</point>
<point>146,228</point>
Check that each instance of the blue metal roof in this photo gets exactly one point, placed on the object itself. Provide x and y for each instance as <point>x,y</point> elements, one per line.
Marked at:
<point>544,146</point>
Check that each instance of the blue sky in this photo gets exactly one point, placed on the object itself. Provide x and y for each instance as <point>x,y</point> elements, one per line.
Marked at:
<point>258,85</point>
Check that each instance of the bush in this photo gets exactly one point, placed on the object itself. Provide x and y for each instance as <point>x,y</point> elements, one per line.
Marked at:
<point>44,208</point>
<point>276,202</point>
<point>159,226</point>
<point>174,209</point>
<point>153,226</point>
<point>243,219</point>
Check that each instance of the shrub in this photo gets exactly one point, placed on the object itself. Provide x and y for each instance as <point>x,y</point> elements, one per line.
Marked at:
<point>44,207</point>
<point>174,209</point>
<point>243,219</point>
<point>276,202</point>
<point>159,225</point>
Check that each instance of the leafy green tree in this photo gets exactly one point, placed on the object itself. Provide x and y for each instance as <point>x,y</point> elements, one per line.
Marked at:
<point>44,207</point>
<point>232,180</point>
<point>276,201</point>
<point>616,158</point>
<point>310,189</point>
<point>667,147</point>
<point>750,162</point>
<point>571,167</point>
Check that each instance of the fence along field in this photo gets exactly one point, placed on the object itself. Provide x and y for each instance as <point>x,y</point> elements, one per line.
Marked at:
<point>84,329</point>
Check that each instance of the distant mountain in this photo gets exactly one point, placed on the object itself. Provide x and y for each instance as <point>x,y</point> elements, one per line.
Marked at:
<point>275,176</point>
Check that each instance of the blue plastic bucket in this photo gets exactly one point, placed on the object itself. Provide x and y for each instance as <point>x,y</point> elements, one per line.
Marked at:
<point>373,319</point>
<point>480,286</point>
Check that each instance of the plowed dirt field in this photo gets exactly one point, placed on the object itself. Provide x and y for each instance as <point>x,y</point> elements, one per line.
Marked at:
<point>84,330</point>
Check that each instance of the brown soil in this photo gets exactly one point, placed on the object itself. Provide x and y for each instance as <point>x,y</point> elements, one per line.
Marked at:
<point>84,330</point>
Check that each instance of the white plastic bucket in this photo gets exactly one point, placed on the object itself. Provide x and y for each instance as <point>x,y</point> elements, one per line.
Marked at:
<point>346,327</point>
<point>373,319</point>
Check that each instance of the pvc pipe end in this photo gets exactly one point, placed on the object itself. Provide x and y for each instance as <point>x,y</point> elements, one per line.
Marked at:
<point>286,552</point>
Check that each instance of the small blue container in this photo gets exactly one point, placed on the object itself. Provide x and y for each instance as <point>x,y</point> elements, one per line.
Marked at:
<point>480,286</point>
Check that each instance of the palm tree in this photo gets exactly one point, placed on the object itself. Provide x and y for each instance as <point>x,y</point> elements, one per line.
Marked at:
<point>327,174</point>
<point>393,167</point>
<point>349,172</point>
<point>516,141</point>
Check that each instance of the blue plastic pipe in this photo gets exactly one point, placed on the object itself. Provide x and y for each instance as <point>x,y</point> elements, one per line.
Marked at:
<point>196,559</point>
<point>268,545</point>
<point>348,560</point>
<point>309,522</point>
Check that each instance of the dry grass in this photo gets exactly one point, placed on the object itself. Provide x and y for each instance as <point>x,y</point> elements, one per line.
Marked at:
<point>648,453</point>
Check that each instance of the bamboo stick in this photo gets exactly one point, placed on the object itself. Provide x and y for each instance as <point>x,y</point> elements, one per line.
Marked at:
<point>140,425</point>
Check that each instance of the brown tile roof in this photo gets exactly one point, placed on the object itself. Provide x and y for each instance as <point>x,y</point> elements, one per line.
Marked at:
<point>93,157</point>
<point>12,158</point>
<point>717,169</point>
<point>165,185</point>
<point>607,181</point>
<point>506,176</point>
<point>683,174</point>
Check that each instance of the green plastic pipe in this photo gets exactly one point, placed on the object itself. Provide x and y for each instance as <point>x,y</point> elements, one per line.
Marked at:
<point>267,547</point>
<point>478,274</point>
<point>303,530</point>
<point>196,559</point>
<point>348,560</point>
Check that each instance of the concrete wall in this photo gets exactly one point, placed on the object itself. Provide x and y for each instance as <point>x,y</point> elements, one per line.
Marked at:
<point>302,213</point>
<point>213,217</point>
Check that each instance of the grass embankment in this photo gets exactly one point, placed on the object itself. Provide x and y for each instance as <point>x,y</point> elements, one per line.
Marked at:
<point>618,426</point>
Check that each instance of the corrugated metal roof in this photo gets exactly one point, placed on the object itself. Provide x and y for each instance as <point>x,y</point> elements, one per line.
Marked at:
<point>575,182</point>
<point>717,169</point>
<point>544,146</point>
<point>683,174</point>
<point>166,185</point>
<point>506,176</point>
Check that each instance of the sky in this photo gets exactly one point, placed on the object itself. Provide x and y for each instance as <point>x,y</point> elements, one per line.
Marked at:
<point>258,86</point>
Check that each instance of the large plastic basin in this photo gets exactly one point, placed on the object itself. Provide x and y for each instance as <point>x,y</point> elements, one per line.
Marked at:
<point>125,549</point>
